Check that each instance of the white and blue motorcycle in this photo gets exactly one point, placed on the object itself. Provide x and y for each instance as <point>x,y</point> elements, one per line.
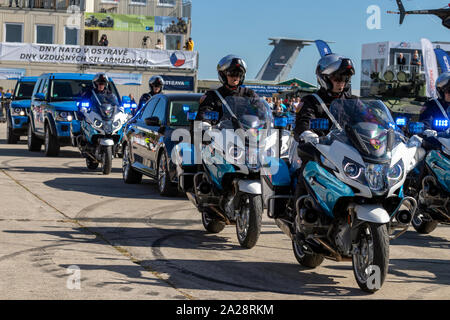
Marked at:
<point>354,180</point>
<point>224,185</point>
<point>101,131</point>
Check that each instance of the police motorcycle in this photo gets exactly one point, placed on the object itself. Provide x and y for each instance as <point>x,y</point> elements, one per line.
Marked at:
<point>101,130</point>
<point>220,175</point>
<point>129,108</point>
<point>429,183</point>
<point>354,203</point>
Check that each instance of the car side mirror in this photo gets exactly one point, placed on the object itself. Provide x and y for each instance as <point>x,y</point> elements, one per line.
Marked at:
<point>40,96</point>
<point>153,122</point>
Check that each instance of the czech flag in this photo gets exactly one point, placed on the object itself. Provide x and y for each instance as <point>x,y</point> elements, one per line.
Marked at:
<point>177,59</point>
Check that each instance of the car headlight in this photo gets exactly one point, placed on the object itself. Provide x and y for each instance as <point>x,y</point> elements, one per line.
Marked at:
<point>18,112</point>
<point>97,123</point>
<point>376,176</point>
<point>63,116</point>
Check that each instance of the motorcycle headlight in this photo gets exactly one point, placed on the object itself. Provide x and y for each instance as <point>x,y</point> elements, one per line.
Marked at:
<point>376,177</point>
<point>235,152</point>
<point>352,170</point>
<point>63,116</point>
<point>395,173</point>
<point>116,124</point>
<point>98,123</point>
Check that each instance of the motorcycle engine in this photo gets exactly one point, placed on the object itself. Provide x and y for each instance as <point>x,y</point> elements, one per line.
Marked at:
<point>229,207</point>
<point>342,238</point>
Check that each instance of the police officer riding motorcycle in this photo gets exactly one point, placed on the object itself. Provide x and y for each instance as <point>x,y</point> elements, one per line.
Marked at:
<point>231,70</point>
<point>156,85</point>
<point>438,108</point>
<point>101,121</point>
<point>333,75</point>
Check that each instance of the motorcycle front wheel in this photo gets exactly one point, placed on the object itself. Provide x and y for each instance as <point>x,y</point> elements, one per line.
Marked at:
<point>371,258</point>
<point>107,160</point>
<point>248,221</point>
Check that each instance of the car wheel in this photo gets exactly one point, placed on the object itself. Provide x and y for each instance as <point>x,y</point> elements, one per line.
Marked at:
<point>165,186</point>
<point>129,175</point>
<point>11,138</point>
<point>33,142</point>
<point>51,145</point>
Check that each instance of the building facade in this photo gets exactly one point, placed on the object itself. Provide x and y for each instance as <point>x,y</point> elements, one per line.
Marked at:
<point>65,35</point>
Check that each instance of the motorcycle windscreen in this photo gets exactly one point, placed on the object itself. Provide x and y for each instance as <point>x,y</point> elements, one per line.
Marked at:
<point>366,123</point>
<point>252,113</point>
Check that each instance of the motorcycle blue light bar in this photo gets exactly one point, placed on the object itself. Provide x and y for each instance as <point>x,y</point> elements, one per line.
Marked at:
<point>416,127</point>
<point>126,105</point>
<point>400,122</point>
<point>191,116</point>
<point>441,123</point>
<point>85,104</point>
<point>186,108</point>
<point>319,124</point>
<point>280,122</point>
<point>211,115</point>
<point>133,106</point>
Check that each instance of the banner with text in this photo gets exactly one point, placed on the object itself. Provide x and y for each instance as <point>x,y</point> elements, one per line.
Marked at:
<point>178,83</point>
<point>11,73</point>
<point>94,55</point>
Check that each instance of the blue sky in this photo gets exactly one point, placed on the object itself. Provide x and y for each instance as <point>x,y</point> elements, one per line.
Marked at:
<point>242,27</point>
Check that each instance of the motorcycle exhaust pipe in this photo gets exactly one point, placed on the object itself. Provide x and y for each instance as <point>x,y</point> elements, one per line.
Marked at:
<point>404,216</point>
<point>204,187</point>
<point>309,216</point>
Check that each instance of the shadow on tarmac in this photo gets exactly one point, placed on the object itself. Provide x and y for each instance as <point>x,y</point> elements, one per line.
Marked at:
<point>231,274</point>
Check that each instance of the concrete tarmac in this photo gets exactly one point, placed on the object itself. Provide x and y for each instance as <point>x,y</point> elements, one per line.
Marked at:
<point>59,220</point>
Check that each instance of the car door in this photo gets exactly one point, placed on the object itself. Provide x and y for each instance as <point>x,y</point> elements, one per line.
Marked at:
<point>138,134</point>
<point>36,104</point>
<point>42,107</point>
<point>155,135</point>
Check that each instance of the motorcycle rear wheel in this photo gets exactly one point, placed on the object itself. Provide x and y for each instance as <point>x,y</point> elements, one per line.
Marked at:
<point>309,260</point>
<point>423,226</point>
<point>211,223</point>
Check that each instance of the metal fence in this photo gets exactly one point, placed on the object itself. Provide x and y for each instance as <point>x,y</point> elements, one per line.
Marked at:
<point>52,5</point>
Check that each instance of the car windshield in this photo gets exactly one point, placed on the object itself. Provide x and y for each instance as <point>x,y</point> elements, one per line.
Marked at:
<point>24,90</point>
<point>252,113</point>
<point>366,123</point>
<point>64,89</point>
<point>178,112</point>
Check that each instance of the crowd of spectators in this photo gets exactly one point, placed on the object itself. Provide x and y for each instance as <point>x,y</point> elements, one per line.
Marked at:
<point>278,105</point>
